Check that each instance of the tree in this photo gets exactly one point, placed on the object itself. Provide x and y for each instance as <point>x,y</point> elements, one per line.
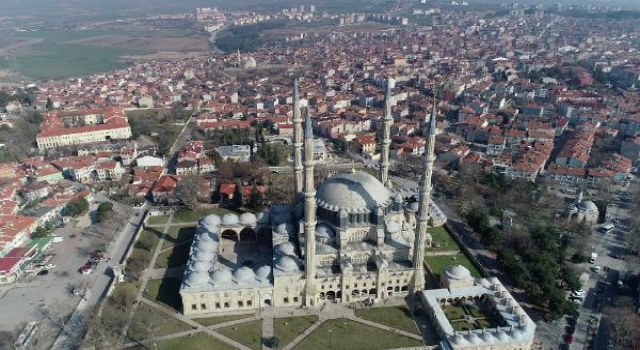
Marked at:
<point>49,105</point>
<point>187,190</point>
<point>255,198</point>
<point>42,231</point>
<point>76,207</point>
<point>623,322</point>
<point>570,277</point>
<point>103,211</point>
<point>238,196</point>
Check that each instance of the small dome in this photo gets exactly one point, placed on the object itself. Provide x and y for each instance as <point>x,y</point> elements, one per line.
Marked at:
<point>473,338</point>
<point>393,226</point>
<point>457,272</point>
<point>587,206</point>
<point>211,220</point>
<point>220,276</point>
<point>487,337</point>
<point>413,207</point>
<point>263,217</point>
<point>244,274</point>
<point>285,248</point>
<point>249,63</point>
<point>247,219</point>
<point>229,219</point>
<point>458,339</point>
<point>200,266</point>
<point>206,245</point>
<point>324,231</point>
<point>484,282</point>
<point>494,280</point>
<point>263,273</point>
<point>197,278</point>
<point>502,336</point>
<point>285,229</point>
<point>286,264</point>
<point>203,256</point>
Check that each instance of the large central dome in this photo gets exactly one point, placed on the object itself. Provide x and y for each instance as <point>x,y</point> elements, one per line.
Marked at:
<point>352,191</point>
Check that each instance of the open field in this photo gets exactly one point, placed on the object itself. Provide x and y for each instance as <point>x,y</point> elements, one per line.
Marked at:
<point>165,291</point>
<point>51,54</point>
<point>198,341</point>
<point>211,321</point>
<point>337,333</point>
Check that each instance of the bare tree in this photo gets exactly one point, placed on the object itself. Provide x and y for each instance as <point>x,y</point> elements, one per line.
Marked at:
<point>623,322</point>
<point>103,329</point>
<point>187,190</point>
<point>148,329</point>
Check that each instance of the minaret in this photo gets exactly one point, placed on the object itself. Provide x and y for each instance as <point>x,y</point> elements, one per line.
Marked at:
<point>297,142</point>
<point>387,119</point>
<point>417,284</point>
<point>311,289</point>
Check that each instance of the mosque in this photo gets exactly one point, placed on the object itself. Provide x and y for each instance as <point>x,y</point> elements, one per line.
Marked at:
<point>352,238</point>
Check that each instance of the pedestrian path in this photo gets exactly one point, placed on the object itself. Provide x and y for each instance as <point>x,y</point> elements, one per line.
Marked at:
<point>144,281</point>
<point>267,331</point>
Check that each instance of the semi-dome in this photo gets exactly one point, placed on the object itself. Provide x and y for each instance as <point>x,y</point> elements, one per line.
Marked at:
<point>263,273</point>
<point>357,190</point>
<point>244,274</point>
<point>197,278</point>
<point>457,272</point>
<point>284,248</point>
<point>220,276</point>
<point>393,226</point>
<point>211,220</point>
<point>487,337</point>
<point>502,336</point>
<point>324,231</point>
<point>286,263</point>
<point>247,219</point>
<point>230,219</point>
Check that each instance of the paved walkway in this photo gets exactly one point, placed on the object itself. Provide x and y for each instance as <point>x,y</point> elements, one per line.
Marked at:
<point>267,331</point>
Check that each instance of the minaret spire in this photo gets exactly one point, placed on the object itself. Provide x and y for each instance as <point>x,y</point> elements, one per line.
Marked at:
<point>297,141</point>
<point>311,289</point>
<point>423,238</point>
<point>387,119</point>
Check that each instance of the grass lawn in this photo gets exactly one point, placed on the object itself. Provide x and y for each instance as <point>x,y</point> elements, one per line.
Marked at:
<point>438,263</point>
<point>158,220</point>
<point>286,329</point>
<point>199,341</point>
<point>248,334</point>
<point>211,321</point>
<point>160,323</point>
<point>354,336</point>
<point>178,234</point>
<point>165,291</point>
<point>396,317</point>
<point>177,256</point>
<point>182,215</point>
<point>442,240</point>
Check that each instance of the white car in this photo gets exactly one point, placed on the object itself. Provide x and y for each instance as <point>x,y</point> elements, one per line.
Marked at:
<point>579,293</point>
<point>49,266</point>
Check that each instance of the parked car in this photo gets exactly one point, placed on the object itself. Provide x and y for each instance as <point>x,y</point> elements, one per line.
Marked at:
<point>50,266</point>
<point>579,293</point>
<point>77,292</point>
<point>568,338</point>
<point>86,269</point>
<point>43,272</point>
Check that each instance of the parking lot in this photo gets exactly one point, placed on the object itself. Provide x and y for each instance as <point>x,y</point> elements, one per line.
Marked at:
<point>47,297</point>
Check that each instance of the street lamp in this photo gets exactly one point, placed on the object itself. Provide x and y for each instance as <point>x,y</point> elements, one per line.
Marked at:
<point>330,339</point>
